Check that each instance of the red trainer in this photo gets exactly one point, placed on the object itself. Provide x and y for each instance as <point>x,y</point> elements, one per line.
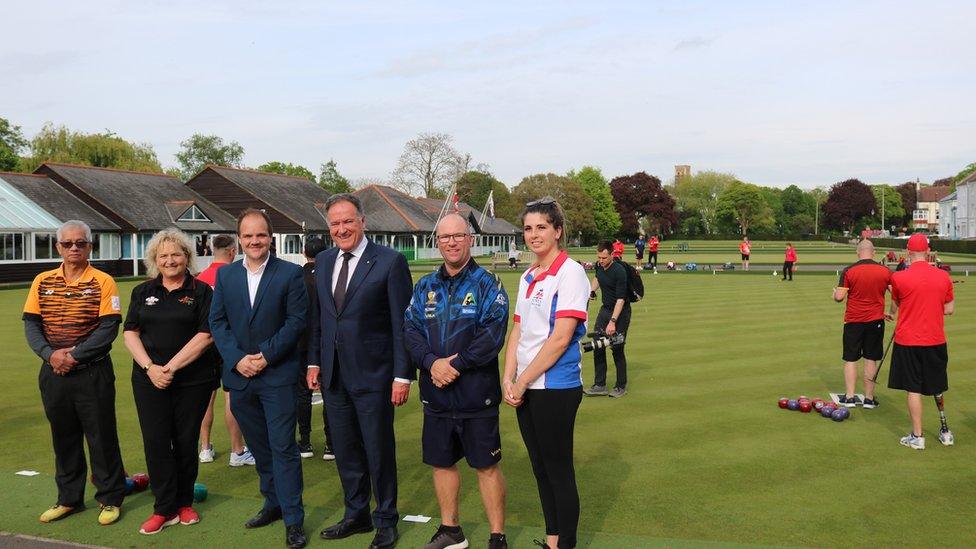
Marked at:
<point>188,516</point>
<point>157,523</point>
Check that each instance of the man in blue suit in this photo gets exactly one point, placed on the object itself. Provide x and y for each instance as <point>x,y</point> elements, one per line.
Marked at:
<point>357,355</point>
<point>256,318</point>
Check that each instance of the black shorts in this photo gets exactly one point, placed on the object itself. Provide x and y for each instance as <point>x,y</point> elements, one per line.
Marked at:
<point>919,369</point>
<point>446,440</point>
<point>639,255</point>
<point>745,257</point>
<point>863,340</point>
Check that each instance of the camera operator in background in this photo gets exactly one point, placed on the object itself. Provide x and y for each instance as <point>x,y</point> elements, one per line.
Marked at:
<point>614,317</point>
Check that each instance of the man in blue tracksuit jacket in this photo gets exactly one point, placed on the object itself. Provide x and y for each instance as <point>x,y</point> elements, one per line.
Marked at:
<point>455,327</point>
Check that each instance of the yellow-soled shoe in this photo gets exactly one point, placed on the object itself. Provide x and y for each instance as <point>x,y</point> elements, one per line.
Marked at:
<point>109,514</point>
<point>57,512</point>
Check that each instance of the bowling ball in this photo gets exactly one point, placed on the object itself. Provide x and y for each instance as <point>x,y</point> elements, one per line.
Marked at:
<point>845,412</point>
<point>805,406</point>
<point>818,404</point>
<point>793,405</point>
<point>199,492</point>
<point>783,402</point>
<point>130,485</point>
<point>827,409</point>
<point>838,415</point>
<point>141,480</point>
<point>803,397</point>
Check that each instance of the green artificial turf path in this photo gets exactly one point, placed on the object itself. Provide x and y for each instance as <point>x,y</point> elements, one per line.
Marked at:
<point>696,455</point>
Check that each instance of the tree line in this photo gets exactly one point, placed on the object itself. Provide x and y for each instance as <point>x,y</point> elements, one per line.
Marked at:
<point>707,204</point>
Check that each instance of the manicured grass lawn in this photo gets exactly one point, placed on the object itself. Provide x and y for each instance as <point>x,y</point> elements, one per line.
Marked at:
<point>697,453</point>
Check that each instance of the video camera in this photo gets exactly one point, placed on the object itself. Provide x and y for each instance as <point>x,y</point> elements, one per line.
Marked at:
<point>599,340</point>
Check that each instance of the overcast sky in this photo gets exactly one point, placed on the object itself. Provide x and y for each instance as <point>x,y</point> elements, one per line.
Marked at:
<point>775,92</point>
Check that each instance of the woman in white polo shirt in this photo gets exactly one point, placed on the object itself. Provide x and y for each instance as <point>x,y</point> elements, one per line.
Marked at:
<point>542,365</point>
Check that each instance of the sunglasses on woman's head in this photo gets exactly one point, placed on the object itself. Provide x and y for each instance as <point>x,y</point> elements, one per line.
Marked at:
<point>544,201</point>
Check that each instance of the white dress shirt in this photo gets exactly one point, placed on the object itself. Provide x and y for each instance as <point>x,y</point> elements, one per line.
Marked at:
<point>357,253</point>
<point>254,277</point>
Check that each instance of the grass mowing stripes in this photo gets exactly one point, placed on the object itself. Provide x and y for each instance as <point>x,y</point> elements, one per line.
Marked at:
<point>697,454</point>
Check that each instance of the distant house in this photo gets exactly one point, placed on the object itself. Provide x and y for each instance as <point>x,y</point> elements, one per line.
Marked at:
<point>964,209</point>
<point>948,221</point>
<point>406,223</point>
<point>926,214</point>
<point>294,204</point>
<point>32,207</point>
<point>140,204</point>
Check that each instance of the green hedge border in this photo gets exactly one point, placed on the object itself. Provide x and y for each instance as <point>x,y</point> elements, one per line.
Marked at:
<point>951,246</point>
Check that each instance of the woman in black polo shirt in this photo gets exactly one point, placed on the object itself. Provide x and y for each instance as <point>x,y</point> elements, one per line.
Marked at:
<point>174,371</point>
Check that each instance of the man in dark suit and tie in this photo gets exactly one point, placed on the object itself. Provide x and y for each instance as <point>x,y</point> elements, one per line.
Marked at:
<point>357,355</point>
<point>257,317</point>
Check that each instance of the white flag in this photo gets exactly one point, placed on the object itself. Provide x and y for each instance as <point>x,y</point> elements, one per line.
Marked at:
<point>490,205</point>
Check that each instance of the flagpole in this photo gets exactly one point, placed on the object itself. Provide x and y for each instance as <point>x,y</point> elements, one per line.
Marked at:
<point>447,204</point>
<point>484,211</point>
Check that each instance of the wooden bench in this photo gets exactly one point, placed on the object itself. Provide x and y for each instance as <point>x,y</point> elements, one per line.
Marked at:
<point>501,258</point>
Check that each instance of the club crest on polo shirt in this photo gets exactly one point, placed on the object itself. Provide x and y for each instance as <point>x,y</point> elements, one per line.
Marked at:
<point>186,300</point>
<point>500,299</point>
<point>536,299</point>
<point>469,306</point>
<point>152,300</point>
<point>430,308</point>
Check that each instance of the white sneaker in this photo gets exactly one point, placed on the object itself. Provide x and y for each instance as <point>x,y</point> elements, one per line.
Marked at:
<point>241,459</point>
<point>207,454</point>
<point>913,442</point>
<point>946,438</point>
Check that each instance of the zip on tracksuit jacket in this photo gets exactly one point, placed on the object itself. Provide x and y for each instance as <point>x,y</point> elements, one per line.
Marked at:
<point>465,314</point>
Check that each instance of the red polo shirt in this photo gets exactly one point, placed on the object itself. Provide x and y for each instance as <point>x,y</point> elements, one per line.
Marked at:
<point>209,275</point>
<point>866,282</point>
<point>921,291</point>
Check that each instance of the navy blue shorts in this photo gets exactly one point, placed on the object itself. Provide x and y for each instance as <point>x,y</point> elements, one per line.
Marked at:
<point>446,440</point>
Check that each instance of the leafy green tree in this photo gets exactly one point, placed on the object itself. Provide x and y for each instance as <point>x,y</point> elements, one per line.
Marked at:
<point>287,168</point>
<point>200,150</point>
<point>331,180</point>
<point>798,211</point>
<point>894,211</point>
<point>743,205</point>
<point>966,172</point>
<point>474,188</point>
<point>102,150</point>
<point>776,222</point>
<point>12,142</point>
<point>696,198</point>
<point>818,195</point>
<point>575,202</point>
<point>605,216</point>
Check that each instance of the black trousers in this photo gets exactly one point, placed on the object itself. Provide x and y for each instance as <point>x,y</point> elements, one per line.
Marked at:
<point>81,406</point>
<point>600,355</point>
<point>365,449</point>
<point>303,411</point>
<point>547,419</point>
<point>787,270</point>
<point>170,421</point>
<point>652,258</point>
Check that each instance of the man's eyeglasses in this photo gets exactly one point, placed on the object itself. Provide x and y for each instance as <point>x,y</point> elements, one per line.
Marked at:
<point>544,201</point>
<point>445,238</point>
<point>68,244</point>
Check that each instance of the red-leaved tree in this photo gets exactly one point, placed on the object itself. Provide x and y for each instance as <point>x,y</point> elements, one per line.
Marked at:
<point>847,202</point>
<point>908,201</point>
<point>641,196</point>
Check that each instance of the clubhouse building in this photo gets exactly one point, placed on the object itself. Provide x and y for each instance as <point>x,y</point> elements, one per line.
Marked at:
<point>125,208</point>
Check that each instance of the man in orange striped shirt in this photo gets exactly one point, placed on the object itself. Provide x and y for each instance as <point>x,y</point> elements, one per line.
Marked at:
<point>71,317</point>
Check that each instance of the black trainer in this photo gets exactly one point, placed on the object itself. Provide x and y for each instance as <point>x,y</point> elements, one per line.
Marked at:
<point>848,402</point>
<point>497,541</point>
<point>871,403</point>
<point>447,537</point>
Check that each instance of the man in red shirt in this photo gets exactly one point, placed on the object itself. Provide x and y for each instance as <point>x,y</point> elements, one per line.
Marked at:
<point>745,248</point>
<point>652,245</point>
<point>224,251</point>
<point>789,261</point>
<point>922,296</point>
<point>863,284</point>
<point>618,249</point>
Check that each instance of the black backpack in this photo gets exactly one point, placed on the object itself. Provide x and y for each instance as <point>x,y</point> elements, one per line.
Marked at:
<point>635,284</point>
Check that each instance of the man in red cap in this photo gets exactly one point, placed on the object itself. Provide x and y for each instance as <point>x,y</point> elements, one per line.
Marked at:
<point>922,295</point>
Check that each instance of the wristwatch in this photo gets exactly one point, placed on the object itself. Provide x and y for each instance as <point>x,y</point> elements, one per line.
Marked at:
<point>614,320</point>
